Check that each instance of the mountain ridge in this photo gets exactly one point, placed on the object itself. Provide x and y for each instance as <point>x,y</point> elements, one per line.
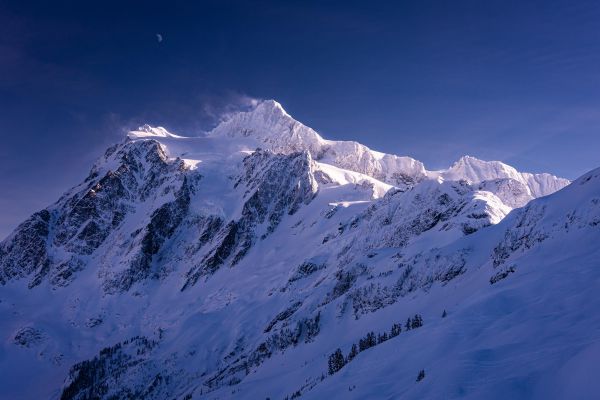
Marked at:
<point>224,267</point>
<point>278,131</point>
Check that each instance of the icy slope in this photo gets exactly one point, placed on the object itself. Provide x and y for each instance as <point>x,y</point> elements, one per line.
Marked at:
<point>523,323</point>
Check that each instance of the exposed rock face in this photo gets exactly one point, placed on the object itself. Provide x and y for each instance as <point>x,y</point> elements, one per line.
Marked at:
<point>511,192</point>
<point>149,241</point>
<point>137,182</point>
<point>58,241</point>
<point>28,337</point>
<point>444,211</point>
<point>274,185</point>
<point>24,252</point>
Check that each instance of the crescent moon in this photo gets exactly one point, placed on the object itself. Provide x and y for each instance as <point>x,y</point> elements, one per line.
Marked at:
<point>159,37</point>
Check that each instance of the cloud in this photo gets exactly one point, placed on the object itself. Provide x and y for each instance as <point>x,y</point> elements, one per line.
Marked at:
<point>217,107</point>
<point>192,115</point>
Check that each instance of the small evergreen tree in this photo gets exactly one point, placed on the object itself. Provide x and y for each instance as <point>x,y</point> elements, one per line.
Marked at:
<point>444,314</point>
<point>367,342</point>
<point>417,321</point>
<point>408,324</point>
<point>371,339</point>
<point>396,329</point>
<point>336,361</point>
<point>382,338</point>
<point>421,375</point>
<point>362,344</point>
<point>353,353</point>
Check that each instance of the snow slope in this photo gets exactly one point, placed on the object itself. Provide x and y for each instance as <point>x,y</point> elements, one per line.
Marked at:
<point>207,268</point>
<point>534,334</point>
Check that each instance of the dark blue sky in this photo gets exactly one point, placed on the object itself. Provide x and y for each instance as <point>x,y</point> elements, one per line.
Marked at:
<point>434,80</point>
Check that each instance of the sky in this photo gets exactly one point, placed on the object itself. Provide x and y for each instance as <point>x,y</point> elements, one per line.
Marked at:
<point>513,81</point>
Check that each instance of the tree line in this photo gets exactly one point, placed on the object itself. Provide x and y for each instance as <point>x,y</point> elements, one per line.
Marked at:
<point>337,360</point>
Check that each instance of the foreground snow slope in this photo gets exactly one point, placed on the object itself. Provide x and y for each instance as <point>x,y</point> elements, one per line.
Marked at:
<point>205,268</point>
<point>533,334</point>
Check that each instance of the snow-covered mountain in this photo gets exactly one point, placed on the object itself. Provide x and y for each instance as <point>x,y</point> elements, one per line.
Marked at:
<point>233,265</point>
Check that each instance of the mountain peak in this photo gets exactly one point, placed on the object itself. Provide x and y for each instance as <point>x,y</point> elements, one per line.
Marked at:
<point>266,119</point>
<point>467,159</point>
<point>476,170</point>
<point>270,106</point>
<point>474,161</point>
<point>150,131</point>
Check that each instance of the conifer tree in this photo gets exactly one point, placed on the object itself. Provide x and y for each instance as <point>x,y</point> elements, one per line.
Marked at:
<point>336,361</point>
<point>362,344</point>
<point>371,339</point>
<point>417,321</point>
<point>353,353</point>
<point>396,329</point>
<point>382,338</point>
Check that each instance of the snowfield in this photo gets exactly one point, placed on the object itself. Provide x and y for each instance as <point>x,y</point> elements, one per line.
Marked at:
<point>234,265</point>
